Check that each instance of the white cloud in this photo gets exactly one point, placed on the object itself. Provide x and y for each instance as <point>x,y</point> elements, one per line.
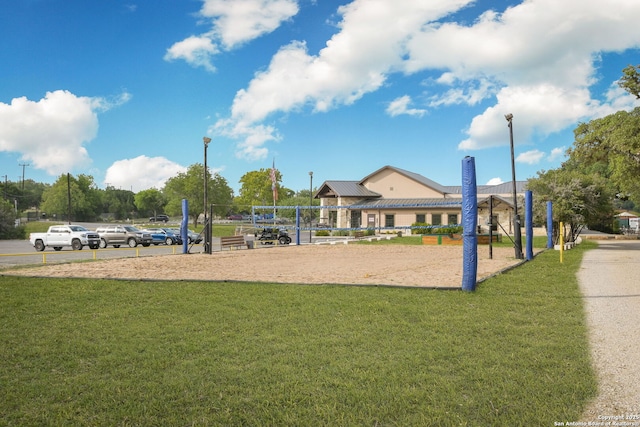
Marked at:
<point>355,61</point>
<point>495,181</point>
<point>542,77</point>
<point>469,93</point>
<point>51,133</point>
<point>531,157</point>
<point>239,21</point>
<point>141,173</point>
<point>556,154</point>
<point>542,109</point>
<point>197,51</point>
<point>400,106</point>
<point>234,22</point>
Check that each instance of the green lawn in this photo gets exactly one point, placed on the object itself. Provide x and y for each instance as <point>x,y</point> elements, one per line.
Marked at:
<point>103,352</point>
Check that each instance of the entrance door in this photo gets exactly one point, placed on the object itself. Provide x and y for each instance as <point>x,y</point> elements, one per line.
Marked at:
<point>371,220</point>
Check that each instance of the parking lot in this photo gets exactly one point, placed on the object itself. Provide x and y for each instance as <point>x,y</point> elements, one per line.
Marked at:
<point>21,252</point>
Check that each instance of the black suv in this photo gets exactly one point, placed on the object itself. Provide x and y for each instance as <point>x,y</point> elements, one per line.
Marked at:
<point>159,218</point>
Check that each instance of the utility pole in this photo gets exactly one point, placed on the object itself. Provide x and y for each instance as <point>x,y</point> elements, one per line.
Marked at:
<point>23,166</point>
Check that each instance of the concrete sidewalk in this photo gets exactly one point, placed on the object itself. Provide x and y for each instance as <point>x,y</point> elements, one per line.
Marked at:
<point>609,279</point>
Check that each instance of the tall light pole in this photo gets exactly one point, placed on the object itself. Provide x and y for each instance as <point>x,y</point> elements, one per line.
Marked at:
<point>207,229</point>
<point>516,218</point>
<point>310,203</point>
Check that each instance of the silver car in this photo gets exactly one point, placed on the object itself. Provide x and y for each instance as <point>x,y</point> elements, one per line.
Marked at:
<point>117,235</point>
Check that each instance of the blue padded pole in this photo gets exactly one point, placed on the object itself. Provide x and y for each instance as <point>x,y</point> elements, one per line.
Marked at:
<point>298,225</point>
<point>549,225</point>
<point>469,224</point>
<point>528,222</point>
<point>184,225</point>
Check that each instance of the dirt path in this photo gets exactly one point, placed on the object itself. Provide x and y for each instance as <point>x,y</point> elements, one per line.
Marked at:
<point>609,281</point>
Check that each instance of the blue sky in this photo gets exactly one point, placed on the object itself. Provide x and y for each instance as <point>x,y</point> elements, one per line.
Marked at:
<point>125,90</point>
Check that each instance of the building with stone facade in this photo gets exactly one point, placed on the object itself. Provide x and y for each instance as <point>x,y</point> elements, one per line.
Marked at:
<point>392,199</point>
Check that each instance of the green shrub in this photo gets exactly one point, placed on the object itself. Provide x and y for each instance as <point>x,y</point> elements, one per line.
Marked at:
<point>424,228</point>
<point>322,233</point>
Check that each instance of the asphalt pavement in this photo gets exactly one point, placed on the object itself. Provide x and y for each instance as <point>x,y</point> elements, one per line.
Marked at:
<point>21,252</point>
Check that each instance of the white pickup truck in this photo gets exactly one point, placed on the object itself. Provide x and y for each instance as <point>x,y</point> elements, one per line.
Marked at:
<point>60,236</point>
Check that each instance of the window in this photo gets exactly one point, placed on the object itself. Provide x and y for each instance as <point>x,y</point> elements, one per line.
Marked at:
<point>356,218</point>
<point>389,221</point>
<point>436,219</point>
<point>421,218</point>
<point>452,219</point>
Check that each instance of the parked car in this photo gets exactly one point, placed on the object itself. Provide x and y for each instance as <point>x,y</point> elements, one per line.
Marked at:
<point>59,236</point>
<point>159,218</point>
<point>192,236</point>
<point>117,235</point>
<point>169,237</point>
<point>235,217</point>
<point>157,237</point>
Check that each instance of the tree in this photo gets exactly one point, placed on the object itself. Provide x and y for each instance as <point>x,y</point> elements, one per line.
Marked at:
<point>77,196</point>
<point>256,189</point>
<point>190,185</point>
<point>31,194</point>
<point>150,201</point>
<point>118,202</point>
<point>630,80</point>
<point>578,199</point>
<point>301,198</point>
<point>8,230</point>
<point>613,141</point>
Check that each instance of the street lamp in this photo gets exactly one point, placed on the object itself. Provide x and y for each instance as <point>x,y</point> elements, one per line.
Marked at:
<point>516,218</point>
<point>207,229</point>
<point>310,203</point>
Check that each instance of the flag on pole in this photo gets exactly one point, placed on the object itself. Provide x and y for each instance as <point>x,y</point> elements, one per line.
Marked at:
<point>274,182</point>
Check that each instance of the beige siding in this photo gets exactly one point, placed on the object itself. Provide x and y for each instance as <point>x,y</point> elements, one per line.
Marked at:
<point>393,185</point>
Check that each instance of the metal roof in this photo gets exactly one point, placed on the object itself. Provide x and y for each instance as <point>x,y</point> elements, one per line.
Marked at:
<point>406,203</point>
<point>345,189</point>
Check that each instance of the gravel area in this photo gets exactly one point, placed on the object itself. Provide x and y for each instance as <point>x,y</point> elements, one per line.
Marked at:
<point>608,280</point>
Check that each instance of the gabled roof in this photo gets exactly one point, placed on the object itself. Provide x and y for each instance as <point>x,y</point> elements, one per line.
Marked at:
<point>345,189</point>
<point>411,175</point>
<point>357,188</point>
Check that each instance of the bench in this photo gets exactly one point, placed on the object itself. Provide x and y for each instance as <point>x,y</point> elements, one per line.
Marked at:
<point>358,234</point>
<point>233,242</point>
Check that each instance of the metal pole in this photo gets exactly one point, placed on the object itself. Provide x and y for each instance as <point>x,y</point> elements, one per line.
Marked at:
<point>310,203</point>
<point>516,218</point>
<point>207,237</point>
<point>491,227</point>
